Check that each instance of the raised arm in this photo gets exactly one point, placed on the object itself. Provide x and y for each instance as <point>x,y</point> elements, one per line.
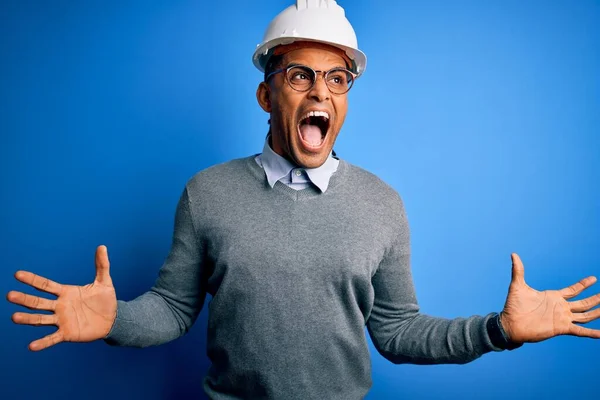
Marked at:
<point>91,312</point>
<point>404,335</point>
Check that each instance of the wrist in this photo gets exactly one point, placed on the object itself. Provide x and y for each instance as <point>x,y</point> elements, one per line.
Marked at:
<point>498,335</point>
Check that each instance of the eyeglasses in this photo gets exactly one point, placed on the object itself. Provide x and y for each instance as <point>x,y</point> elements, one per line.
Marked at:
<point>302,78</point>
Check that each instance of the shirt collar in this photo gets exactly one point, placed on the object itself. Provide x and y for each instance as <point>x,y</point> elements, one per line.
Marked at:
<point>277,167</point>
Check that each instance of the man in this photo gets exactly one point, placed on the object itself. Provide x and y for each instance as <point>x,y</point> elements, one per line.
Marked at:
<point>299,250</point>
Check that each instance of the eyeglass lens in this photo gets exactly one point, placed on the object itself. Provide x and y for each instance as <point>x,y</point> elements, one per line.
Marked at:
<point>302,78</point>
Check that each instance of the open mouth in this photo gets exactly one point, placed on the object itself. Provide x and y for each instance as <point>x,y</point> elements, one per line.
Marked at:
<point>313,128</point>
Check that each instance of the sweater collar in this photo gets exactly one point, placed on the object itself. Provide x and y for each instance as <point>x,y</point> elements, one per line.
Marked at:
<point>277,167</point>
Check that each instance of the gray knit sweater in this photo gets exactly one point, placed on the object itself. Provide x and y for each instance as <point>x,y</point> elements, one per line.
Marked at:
<point>294,276</point>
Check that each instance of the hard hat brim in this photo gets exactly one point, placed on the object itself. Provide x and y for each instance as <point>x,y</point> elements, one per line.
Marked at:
<point>264,51</point>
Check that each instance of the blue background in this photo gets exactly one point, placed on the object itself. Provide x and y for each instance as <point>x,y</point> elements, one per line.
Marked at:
<point>483,115</point>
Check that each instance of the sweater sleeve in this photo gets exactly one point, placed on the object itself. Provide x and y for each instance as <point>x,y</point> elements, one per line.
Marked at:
<point>401,333</point>
<point>170,307</point>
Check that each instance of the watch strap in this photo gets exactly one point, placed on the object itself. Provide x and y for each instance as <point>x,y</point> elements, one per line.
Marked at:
<point>498,335</point>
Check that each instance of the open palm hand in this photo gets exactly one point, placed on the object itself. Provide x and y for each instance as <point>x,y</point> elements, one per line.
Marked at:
<point>532,316</point>
<point>81,313</point>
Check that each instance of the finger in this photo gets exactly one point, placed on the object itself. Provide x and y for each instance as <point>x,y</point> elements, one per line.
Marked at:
<point>103,266</point>
<point>577,288</point>
<point>31,302</point>
<point>585,304</point>
<point>34,319</point>
<point>518,271</point>
<point>578,330</point>
<point>586,317</point>
<point>39,282</point>
<point>46,341</point>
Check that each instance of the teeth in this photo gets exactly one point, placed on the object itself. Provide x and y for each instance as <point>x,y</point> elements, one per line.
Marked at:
<point>317,114</point>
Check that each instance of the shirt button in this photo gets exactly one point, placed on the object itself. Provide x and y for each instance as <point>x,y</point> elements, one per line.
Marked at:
<point>298,172</point>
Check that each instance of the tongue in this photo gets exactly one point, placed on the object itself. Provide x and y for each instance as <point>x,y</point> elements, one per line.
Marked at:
<point>311,134</point>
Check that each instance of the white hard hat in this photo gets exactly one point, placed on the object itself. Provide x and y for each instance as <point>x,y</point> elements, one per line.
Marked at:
<point>322,21</point>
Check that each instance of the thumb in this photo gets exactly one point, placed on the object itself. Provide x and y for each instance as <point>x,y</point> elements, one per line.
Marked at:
<point>518,271</point>
<point>103,266</point>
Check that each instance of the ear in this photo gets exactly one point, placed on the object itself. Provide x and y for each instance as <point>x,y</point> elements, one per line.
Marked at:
<point>263,95</point>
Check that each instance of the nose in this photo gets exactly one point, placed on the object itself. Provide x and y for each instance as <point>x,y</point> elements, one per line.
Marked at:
<point>319,92</point>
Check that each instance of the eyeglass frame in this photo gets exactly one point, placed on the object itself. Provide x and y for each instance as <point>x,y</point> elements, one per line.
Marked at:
<point>316,75</point>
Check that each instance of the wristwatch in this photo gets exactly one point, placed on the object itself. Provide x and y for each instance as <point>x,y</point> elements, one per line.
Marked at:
<point>498,336</point>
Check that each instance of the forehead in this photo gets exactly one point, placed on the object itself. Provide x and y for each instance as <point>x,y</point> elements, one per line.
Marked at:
<point>318,58</point>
